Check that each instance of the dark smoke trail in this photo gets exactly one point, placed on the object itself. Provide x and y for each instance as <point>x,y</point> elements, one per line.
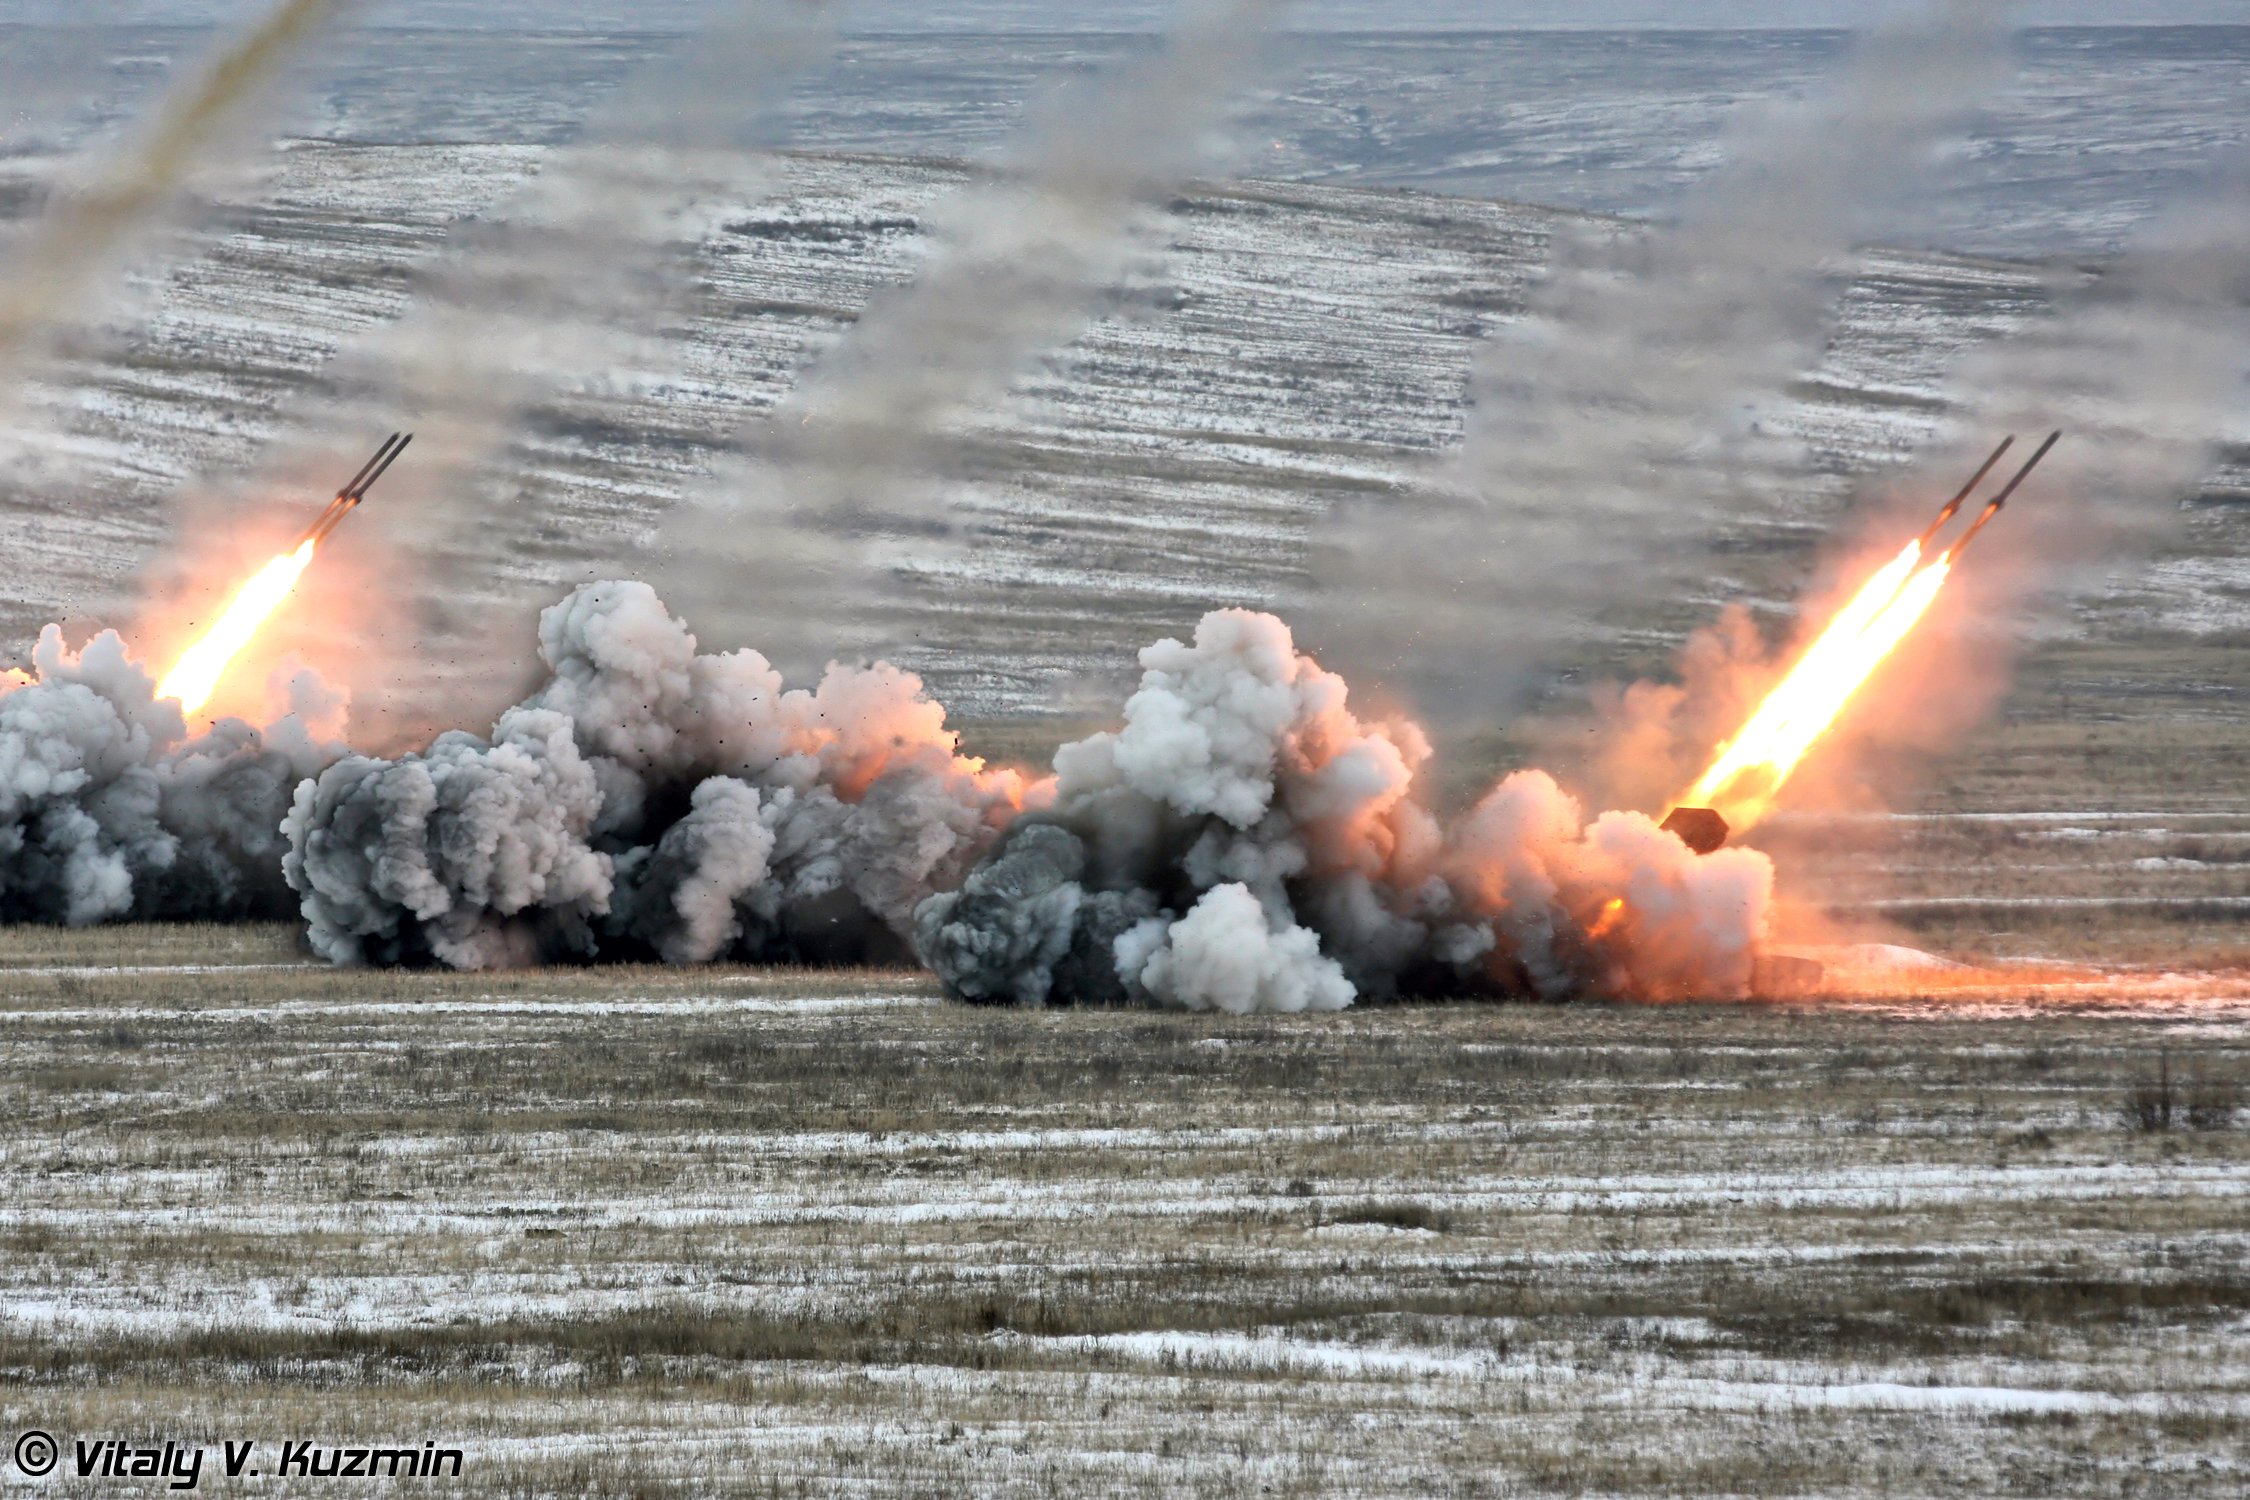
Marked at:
<point>98,220</point>
<point>1612,424</point>
<point>788,549</point>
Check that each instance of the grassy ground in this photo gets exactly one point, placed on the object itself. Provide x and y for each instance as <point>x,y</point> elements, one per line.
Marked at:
<point>662,1232</point>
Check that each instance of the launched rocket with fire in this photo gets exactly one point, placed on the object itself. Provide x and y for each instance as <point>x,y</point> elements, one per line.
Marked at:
<point>1953,506</point>
<point>1750,768</point>
<point>2001,499</point>
<point>195,677</point>
<point>355,489</point>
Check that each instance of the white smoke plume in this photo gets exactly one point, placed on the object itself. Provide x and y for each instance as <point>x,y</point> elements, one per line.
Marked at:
<point>104,211</point>
<point>1246,843</point>
<point>844,466</point>
<point>110,811</point>
<point>1613,423</point>
<point>649,801</point>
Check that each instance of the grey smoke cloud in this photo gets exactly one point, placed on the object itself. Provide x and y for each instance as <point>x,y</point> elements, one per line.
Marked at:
<point>109,810</point>
<point>1611,424</point>
<point>649,801</point>
<point>790,548</point>
<point>1246,842</point>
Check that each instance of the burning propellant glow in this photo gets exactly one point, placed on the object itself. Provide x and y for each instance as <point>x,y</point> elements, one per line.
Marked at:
<point>1753,765</point>
<point>196,676</point>
<point>1750,769</point>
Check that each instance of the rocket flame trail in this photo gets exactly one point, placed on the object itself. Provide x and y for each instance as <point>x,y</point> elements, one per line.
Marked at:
<point>1751,768</point>
<point>196,676</point>
<point>1742,782</point>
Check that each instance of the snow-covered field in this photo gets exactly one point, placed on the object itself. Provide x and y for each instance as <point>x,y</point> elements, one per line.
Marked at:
<point>726,1233</point>
<point>1282,347</point>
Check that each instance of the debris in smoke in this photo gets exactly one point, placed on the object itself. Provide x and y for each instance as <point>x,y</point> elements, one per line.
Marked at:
<point>650,801</point>
<point>1247,843</point>
<point>109,811</point>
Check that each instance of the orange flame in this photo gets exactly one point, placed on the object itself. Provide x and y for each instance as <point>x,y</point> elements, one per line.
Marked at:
<point>1750,769</point>
<point>196,676</point>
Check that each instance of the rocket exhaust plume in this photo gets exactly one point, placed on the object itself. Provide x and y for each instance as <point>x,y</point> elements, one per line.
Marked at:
<point>196,676</point>
<point>842,467</point>
<point>566,284</point>
<point>1749,771</point>
<point>93,224</point>
<point>1612,427</point>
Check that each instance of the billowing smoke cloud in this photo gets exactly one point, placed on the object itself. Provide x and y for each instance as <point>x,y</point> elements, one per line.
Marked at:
<point>1614,424</point>
<point>649,801</point>
<point>109,811</point>
<point>101,215</point>
<point>847,461</point>
<point>1247,843</point>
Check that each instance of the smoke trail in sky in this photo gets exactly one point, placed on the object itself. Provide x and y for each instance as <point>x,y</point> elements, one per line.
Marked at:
<point>1612,424</point>
<point>571,281</point>
<point>98,217</point>
<point>788,549</point>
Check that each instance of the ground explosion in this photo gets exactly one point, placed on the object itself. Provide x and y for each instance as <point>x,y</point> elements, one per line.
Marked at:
<point>1244,842</point>
<point>111,811</point>
<point>1247,843</point>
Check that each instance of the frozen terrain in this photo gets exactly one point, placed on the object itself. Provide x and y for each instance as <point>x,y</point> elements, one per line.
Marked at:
<point>1281,345</point>
<point>2103,123</point>
<point>721,1233</point>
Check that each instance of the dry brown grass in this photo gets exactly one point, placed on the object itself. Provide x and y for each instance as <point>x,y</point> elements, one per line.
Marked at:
<point>728,1232</point>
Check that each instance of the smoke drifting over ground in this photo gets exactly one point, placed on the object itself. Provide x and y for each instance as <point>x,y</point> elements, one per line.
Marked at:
<point>1247,843</point>
<point>110,811</point>
<point>1612,423</point>
<point>648,801</point>
<point>848,462</point>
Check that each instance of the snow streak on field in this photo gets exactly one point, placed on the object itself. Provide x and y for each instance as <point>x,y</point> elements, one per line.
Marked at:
<point>723,1232</point>
<point>1282,348</point>
<point>1285,347</point>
